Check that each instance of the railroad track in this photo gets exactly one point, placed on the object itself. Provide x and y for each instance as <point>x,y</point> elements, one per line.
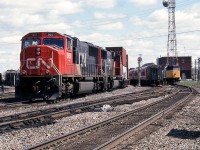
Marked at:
<point>108,134</point>
<point>8,101</point>
<point>24,104</point>
<point>4,95</point>
<point>47,116</point>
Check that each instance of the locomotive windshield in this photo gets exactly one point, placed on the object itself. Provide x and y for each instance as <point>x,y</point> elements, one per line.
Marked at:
<point>28,42</point>
<point>172,67</point>
<point>55,42</point>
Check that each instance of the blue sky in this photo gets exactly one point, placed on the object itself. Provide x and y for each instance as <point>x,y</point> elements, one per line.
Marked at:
<point>140,26</point>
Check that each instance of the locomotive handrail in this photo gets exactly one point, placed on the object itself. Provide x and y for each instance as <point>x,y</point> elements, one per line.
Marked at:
<point>57,71</point>
<point>23,61</point>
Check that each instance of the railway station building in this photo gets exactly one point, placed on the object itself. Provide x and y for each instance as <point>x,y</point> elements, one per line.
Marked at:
<point>185,64</point>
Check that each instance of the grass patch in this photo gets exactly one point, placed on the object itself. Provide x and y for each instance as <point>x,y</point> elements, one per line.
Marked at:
<point>190,83</point>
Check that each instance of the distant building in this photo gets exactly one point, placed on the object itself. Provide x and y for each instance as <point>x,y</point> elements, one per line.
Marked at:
<point>185,64</point>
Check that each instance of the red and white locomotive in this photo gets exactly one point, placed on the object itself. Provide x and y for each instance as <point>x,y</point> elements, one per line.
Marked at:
<point>54,66</point>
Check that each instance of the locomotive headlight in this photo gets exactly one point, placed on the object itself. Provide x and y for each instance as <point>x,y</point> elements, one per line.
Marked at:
<point>38,51</point>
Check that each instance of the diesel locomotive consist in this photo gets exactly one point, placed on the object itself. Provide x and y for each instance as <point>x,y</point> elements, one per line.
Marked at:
<point>149,74</point>
<point>54,65</point>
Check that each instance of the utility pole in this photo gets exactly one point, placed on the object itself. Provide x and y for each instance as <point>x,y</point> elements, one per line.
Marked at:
<point>195,70</point>
<point>172,55</point>
<point>198,69</point>
<point>139,69</point>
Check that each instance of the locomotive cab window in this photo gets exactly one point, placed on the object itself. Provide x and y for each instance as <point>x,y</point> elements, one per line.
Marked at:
<point>28,42</point>
<point>57,43</point>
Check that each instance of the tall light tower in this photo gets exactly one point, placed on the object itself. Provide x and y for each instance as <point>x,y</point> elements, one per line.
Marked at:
<point>172,56</point>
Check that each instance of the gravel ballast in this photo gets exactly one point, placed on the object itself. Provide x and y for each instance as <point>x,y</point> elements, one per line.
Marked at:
<point>126,90</point>
<point>181,132</point>
<point>24,138</point>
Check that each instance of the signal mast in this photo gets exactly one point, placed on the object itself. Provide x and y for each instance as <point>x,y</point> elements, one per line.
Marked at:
<point>172,56</point>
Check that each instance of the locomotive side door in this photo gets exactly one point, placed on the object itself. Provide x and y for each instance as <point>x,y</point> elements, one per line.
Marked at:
<point>69,57</point>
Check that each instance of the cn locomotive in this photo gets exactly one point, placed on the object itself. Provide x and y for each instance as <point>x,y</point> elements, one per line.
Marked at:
<point>149,74</point>
<point>54,66</point>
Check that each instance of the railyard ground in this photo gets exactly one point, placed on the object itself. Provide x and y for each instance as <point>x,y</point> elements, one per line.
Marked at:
<point>179,132</point>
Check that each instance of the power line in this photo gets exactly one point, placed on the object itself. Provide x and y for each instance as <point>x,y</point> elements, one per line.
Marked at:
<point>99,22</point>
<point>147,37</point>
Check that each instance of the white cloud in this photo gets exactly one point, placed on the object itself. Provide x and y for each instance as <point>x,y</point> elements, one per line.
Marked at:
<point>105,15</point>
<point>98,21</point>
<point>187,19</point>
<point>95,38</point>
<point>66,7</point>
<point>143,2</point>
<point>110,26</point>
<point>10,61</point>
<point>135,20</point>
<point>21,14</point>
<point>102,3</point>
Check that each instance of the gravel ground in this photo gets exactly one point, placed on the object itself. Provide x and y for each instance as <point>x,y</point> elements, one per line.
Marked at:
<point>182,132</point>
<point>126,90</point>
<point>187,119</point>
<point>26,137</point>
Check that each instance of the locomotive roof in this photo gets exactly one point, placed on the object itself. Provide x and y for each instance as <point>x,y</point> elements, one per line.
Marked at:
<point>148,64</point>
<point>11,71</point>
<point>40,34</point>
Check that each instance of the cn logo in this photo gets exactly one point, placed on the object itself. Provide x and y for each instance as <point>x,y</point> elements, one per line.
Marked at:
<point>33,63</point>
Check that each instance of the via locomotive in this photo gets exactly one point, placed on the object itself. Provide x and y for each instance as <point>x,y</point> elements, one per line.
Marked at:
<point>171,74</point>
<point>149,74</point>
<point>54,65</point>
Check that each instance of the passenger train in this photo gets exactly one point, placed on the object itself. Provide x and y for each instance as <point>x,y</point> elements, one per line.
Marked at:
<point>149,75</point>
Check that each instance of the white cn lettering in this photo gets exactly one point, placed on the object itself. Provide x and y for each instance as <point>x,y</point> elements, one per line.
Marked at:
<point>33,63</point>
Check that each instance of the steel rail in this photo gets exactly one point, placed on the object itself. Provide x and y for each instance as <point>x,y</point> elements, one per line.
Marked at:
<point>119,139</point>
<point>75,105</point>
<point>5,95</point>
<point>55,141</point>
<point>9,123</point>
